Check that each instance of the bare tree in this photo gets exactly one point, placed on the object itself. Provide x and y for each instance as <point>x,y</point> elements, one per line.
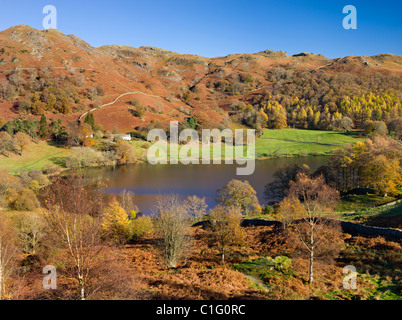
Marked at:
<point>75,218</point>
<point>311,200</point>
<point>277,188</point>
<point>172,224</point>
<point>126,200</point>
<point>79,234</point>
<point>70,194</point>
<point>196,207</point>
<point>7,144</point>
<point>30,229</point>
<point>8,253</point>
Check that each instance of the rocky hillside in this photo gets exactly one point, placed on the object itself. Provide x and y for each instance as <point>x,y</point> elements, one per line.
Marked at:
<point>62,76</point>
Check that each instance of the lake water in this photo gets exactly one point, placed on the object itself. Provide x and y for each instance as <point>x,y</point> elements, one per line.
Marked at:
<point>148,182</point>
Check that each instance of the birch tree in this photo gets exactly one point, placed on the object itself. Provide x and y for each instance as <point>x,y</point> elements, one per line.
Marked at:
<point>80,236</point>
<point>75,218</point>
<point>313,200</point>
<point>8,253</point>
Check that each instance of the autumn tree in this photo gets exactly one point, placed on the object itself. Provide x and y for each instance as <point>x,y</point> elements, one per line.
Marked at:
<point>124,152</point>
<point>76,133</point>
<point>126,201</point>
<point>172,225</point>
<point>314,199</point>
<point>2,122</point>
<point>380,128</point>
<point>70,194</point>
<point>115,224</point>
<point>79,235</point>
<point>21,140</point>
<point>287,209</point>
<point>239,194</point>
<point>383,175</point>
<point>9,184</point>
<point>374,163</point>
<point>26,200</point>
<point>226,228</point>
<point>7,144</point>
<point>343,124</point>
<point>84,157</point>
<point>394,127</point>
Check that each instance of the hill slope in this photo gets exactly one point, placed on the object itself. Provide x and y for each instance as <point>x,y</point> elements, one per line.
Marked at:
<point>168,85</point>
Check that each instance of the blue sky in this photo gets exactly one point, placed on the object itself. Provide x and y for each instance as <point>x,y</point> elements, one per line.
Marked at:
<point>213,28</point>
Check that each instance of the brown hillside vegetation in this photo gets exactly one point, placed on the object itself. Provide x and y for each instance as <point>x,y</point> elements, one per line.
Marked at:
<point>202,276</point>
<point>169,85</point>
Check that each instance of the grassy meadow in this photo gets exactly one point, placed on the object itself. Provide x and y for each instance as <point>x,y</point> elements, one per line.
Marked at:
<point>36,156</point>
<point>290,143</point>
<point>272,144</point>
<point>298,142</point>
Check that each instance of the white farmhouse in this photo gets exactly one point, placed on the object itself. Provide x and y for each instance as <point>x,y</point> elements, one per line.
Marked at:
<point>126,137</point>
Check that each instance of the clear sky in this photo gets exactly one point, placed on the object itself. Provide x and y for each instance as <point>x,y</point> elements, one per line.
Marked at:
<point>213,28</point>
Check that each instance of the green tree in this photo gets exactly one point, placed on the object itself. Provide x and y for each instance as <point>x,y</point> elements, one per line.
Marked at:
<point>192,122</point>
<point>90,119</point>
<point>43,127</point>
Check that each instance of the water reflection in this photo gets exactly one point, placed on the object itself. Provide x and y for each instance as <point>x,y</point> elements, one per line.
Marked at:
<point>147,182</point>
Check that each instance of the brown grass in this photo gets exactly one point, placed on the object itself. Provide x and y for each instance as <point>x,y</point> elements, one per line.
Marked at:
<point>137,272</point>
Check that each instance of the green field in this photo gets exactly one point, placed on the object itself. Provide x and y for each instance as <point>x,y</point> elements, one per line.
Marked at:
<point>353,203</point>
<point>273,144</point>
<point>297,142</point>
<point>387,216</point>
<point>36,156</point>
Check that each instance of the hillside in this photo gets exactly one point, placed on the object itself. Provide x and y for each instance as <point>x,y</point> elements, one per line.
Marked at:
<point>169,86</point>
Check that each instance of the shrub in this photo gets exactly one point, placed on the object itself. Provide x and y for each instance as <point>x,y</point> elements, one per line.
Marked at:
<point>27,201</point>
<point>84,157</point>
<point>98,134</point>
<point>125,152</point>
<point>139,110</point>
<point>140,227</point>
<point>268,210</point>
<point>51,169</point>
